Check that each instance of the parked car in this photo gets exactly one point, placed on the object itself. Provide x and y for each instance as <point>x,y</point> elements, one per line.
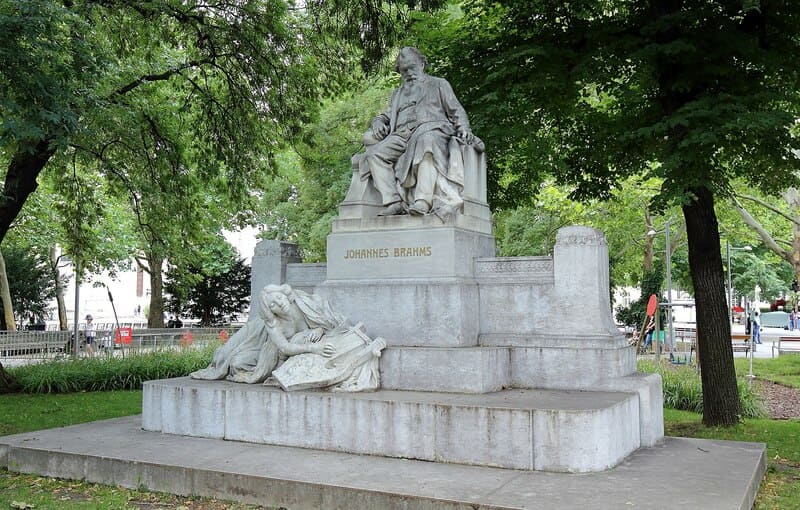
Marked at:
<point>775,320</point>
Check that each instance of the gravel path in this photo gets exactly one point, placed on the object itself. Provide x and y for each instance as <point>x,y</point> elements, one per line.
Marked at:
<point>782,402</point>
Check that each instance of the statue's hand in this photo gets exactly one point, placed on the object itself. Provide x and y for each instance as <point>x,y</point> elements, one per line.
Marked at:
<point>315,335</point>
<point>380,128</point>
<point>327,349</point>
<point>465,135</point>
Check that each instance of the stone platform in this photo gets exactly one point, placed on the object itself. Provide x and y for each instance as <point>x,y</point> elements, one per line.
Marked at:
<point>546,430</point>
<point>680,473</point>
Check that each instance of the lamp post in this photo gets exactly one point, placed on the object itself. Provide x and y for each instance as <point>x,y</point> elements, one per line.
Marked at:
<point>668,253</point>
<point>728,250</point>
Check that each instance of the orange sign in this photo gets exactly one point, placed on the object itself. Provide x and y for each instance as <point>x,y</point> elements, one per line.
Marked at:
<point>652,304</point>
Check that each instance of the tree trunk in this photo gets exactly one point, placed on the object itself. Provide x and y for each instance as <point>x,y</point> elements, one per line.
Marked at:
<point>647,263</point>
<point>25,167</point>
<point>155,318</point>
<point>720,392</point>
<point>5,296</point>
<point>62,307</point>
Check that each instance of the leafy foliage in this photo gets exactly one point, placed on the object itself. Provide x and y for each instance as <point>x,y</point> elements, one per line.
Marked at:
<point>636,313</point>
<point>683,391</point>
<point>30,282</point>
<point>215,293</point>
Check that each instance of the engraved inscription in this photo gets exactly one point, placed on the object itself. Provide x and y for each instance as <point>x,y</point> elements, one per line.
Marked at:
<point>383,253</point>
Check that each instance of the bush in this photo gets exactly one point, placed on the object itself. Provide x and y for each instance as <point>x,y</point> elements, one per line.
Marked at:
<point>109,373</point>
<point>684,391</point>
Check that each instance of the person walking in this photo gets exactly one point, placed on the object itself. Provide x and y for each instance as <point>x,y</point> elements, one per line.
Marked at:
<point>756,328</point>
<point>90,333</point>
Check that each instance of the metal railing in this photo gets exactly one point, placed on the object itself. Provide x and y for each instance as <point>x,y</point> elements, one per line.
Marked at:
<point>40,345</point>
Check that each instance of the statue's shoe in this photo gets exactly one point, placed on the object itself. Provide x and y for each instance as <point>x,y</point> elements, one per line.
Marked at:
<point>420,208</point>
<point>393,209</point>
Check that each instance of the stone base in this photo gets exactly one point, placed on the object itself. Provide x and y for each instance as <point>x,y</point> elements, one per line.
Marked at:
<point>561,431</point>
<point>679,473</point>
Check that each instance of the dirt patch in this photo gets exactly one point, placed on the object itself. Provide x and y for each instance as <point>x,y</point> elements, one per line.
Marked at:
<point>782,402</point>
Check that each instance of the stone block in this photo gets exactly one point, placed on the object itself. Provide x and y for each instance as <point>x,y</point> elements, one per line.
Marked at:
<point>435,252</point>
<point>410,312</point>
<point>186,409</point>
<point>459,370</point>
<point>585,440</point>
<point>573,367</point>
<point>269,264</point>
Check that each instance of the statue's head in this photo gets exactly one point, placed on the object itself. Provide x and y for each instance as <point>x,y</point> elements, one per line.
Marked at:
<point>275,300</point>
<point>410,62</point>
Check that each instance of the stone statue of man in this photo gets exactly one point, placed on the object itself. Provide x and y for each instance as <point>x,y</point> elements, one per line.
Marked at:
<point>409,145</point>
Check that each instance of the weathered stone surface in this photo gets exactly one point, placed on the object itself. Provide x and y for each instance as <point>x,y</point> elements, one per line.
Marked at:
<point>568,431</point>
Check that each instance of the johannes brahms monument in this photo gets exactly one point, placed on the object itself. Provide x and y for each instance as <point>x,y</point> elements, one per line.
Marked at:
<point>482,365</point>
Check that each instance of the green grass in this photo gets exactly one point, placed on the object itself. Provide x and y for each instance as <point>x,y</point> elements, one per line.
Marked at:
<point>784,369</point>
<point>41,493</point>
<point>109,373</point>
<point>24,413</point>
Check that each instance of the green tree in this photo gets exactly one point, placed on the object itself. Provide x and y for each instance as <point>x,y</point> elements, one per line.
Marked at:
<point>214,295</point>
<point>30,284</point>
<point>83,74</point>
<point>691,92</point>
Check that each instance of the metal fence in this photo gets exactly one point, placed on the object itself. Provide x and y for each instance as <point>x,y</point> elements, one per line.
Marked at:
<point>38,345</point>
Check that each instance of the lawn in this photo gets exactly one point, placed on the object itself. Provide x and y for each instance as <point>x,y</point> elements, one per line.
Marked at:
<point>783,369</point>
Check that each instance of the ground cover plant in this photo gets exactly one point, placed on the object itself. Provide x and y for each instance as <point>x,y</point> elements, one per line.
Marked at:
<point>683,389</point>
<point>103,373</point>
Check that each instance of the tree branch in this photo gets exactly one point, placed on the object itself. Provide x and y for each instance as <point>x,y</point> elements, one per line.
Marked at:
<point>166,75</point>
<point>772,208</point>
<point>762,233</point>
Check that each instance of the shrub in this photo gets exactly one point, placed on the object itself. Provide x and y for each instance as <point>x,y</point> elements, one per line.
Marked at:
<point>109,373</point>
<point>684,391</point>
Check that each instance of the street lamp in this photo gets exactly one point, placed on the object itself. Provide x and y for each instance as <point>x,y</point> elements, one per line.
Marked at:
<point>668,251</point>
<point>728,250</point>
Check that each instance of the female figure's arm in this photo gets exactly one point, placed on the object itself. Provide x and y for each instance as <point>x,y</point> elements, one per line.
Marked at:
<point>290,349</point>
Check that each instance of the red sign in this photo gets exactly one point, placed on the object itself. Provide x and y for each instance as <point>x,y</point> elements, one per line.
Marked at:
<point>187,338</point>
<point>652,304</point>
<point>123,336</point>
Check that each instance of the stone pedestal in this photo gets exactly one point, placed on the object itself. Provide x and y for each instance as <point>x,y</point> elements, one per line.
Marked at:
<point>511,362</point>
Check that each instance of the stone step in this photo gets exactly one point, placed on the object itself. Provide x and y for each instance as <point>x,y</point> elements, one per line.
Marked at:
<point>679,473</point>
<point>562,431</point>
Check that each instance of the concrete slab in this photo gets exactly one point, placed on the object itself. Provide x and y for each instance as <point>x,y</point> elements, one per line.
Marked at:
<point>680,473</point>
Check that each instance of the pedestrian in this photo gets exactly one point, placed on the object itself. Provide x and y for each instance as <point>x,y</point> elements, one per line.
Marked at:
<point>90,333</point>
<point>792,320</point>
<point>756,328</point>
<point>648,339</point>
